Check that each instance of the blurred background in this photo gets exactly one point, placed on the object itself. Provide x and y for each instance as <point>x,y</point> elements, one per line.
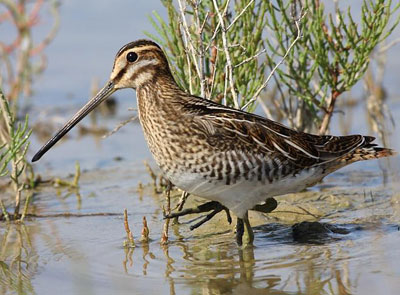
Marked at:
<point>59,252</point>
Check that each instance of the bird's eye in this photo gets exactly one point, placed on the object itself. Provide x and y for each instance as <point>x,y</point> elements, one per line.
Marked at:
<point>131,57</point>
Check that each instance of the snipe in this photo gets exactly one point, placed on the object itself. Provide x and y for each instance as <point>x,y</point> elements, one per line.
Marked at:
<point>225,155</point>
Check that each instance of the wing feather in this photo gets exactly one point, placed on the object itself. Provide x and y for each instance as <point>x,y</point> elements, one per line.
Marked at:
<point>228,128</point>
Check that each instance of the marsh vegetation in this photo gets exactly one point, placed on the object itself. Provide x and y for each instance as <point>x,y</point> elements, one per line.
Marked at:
<point>62,221</point>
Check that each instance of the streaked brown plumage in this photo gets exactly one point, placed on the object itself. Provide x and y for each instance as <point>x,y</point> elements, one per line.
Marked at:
<point>222,154</point>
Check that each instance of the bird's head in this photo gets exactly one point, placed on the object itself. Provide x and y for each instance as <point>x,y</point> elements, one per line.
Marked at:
<point>136,64</point>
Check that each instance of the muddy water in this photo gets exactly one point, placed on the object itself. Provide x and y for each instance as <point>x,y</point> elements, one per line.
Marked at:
<point>76,245</point>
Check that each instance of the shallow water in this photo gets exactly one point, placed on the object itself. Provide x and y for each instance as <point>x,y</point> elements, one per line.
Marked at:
<point>85,255</point>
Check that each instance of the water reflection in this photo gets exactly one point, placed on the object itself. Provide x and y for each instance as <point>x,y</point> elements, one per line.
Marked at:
<point>146,256</point>
<point>282,266</point>
<point>64,193</point>
<point>18,259</point>
<point>238,272</point>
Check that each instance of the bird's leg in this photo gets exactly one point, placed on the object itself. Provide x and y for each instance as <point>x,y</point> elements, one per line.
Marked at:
<point>207,218</point>
<point>199,209</point>
<point>269,206</point>
<point>211,215</point>
<point>244,232</point>
<point>228,215</point>
<point>239,231</point>
<point>213,205</point>
<point>248,236</point>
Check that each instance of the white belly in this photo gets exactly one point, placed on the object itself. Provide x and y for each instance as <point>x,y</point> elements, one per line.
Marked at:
<point>244,194</point>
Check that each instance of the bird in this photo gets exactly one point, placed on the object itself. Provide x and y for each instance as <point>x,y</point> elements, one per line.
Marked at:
<point>235,159</point>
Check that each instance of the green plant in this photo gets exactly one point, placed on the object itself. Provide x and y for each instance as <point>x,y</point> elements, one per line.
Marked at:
<point>207,52</point>
<point>223,50</point>
<point>20,60</point>
<point>333,53</point>
<point>14,145</point>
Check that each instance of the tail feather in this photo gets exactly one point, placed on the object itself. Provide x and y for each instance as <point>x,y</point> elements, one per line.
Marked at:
<point>366,150</point>
<point>369,152</point>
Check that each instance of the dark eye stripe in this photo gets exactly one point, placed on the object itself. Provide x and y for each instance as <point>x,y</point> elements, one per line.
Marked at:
<point>119,75</point>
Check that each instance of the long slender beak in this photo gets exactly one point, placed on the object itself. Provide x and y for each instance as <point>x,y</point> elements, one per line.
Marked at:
<point>92,104</point>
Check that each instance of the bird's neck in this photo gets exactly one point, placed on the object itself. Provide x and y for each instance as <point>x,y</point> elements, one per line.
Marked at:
<point>161,89</point>
<point>158,97</point>
<point>158,109</point>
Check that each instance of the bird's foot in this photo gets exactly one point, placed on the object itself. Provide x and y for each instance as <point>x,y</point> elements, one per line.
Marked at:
<point>213,205</point>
